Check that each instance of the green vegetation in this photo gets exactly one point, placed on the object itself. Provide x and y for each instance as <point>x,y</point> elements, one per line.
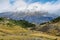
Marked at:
<point>56,19</point>
<point>1,19</point>
<point>23,23</point>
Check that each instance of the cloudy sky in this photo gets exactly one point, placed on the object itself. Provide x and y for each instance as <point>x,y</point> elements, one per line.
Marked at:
<point>51,6</point>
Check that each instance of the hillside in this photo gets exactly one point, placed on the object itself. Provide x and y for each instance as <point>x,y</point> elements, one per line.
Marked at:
<point>19,30</point>
<point>11,22</point>
<point>52,27</point>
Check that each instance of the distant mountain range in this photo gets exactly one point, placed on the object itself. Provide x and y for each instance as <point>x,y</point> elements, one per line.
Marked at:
<point>34,18</point>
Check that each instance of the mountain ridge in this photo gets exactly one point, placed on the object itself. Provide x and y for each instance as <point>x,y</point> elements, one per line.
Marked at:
<point>37,17</point>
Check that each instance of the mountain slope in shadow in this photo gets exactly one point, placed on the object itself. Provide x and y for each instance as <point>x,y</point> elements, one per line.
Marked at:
<point>52,27</point>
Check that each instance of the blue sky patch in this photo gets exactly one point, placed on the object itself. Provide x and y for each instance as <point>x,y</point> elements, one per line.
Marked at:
<point>12,2</point>
<point>41,1</point>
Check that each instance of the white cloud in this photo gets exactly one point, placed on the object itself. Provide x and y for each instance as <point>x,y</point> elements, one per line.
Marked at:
<point>21,5</point>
